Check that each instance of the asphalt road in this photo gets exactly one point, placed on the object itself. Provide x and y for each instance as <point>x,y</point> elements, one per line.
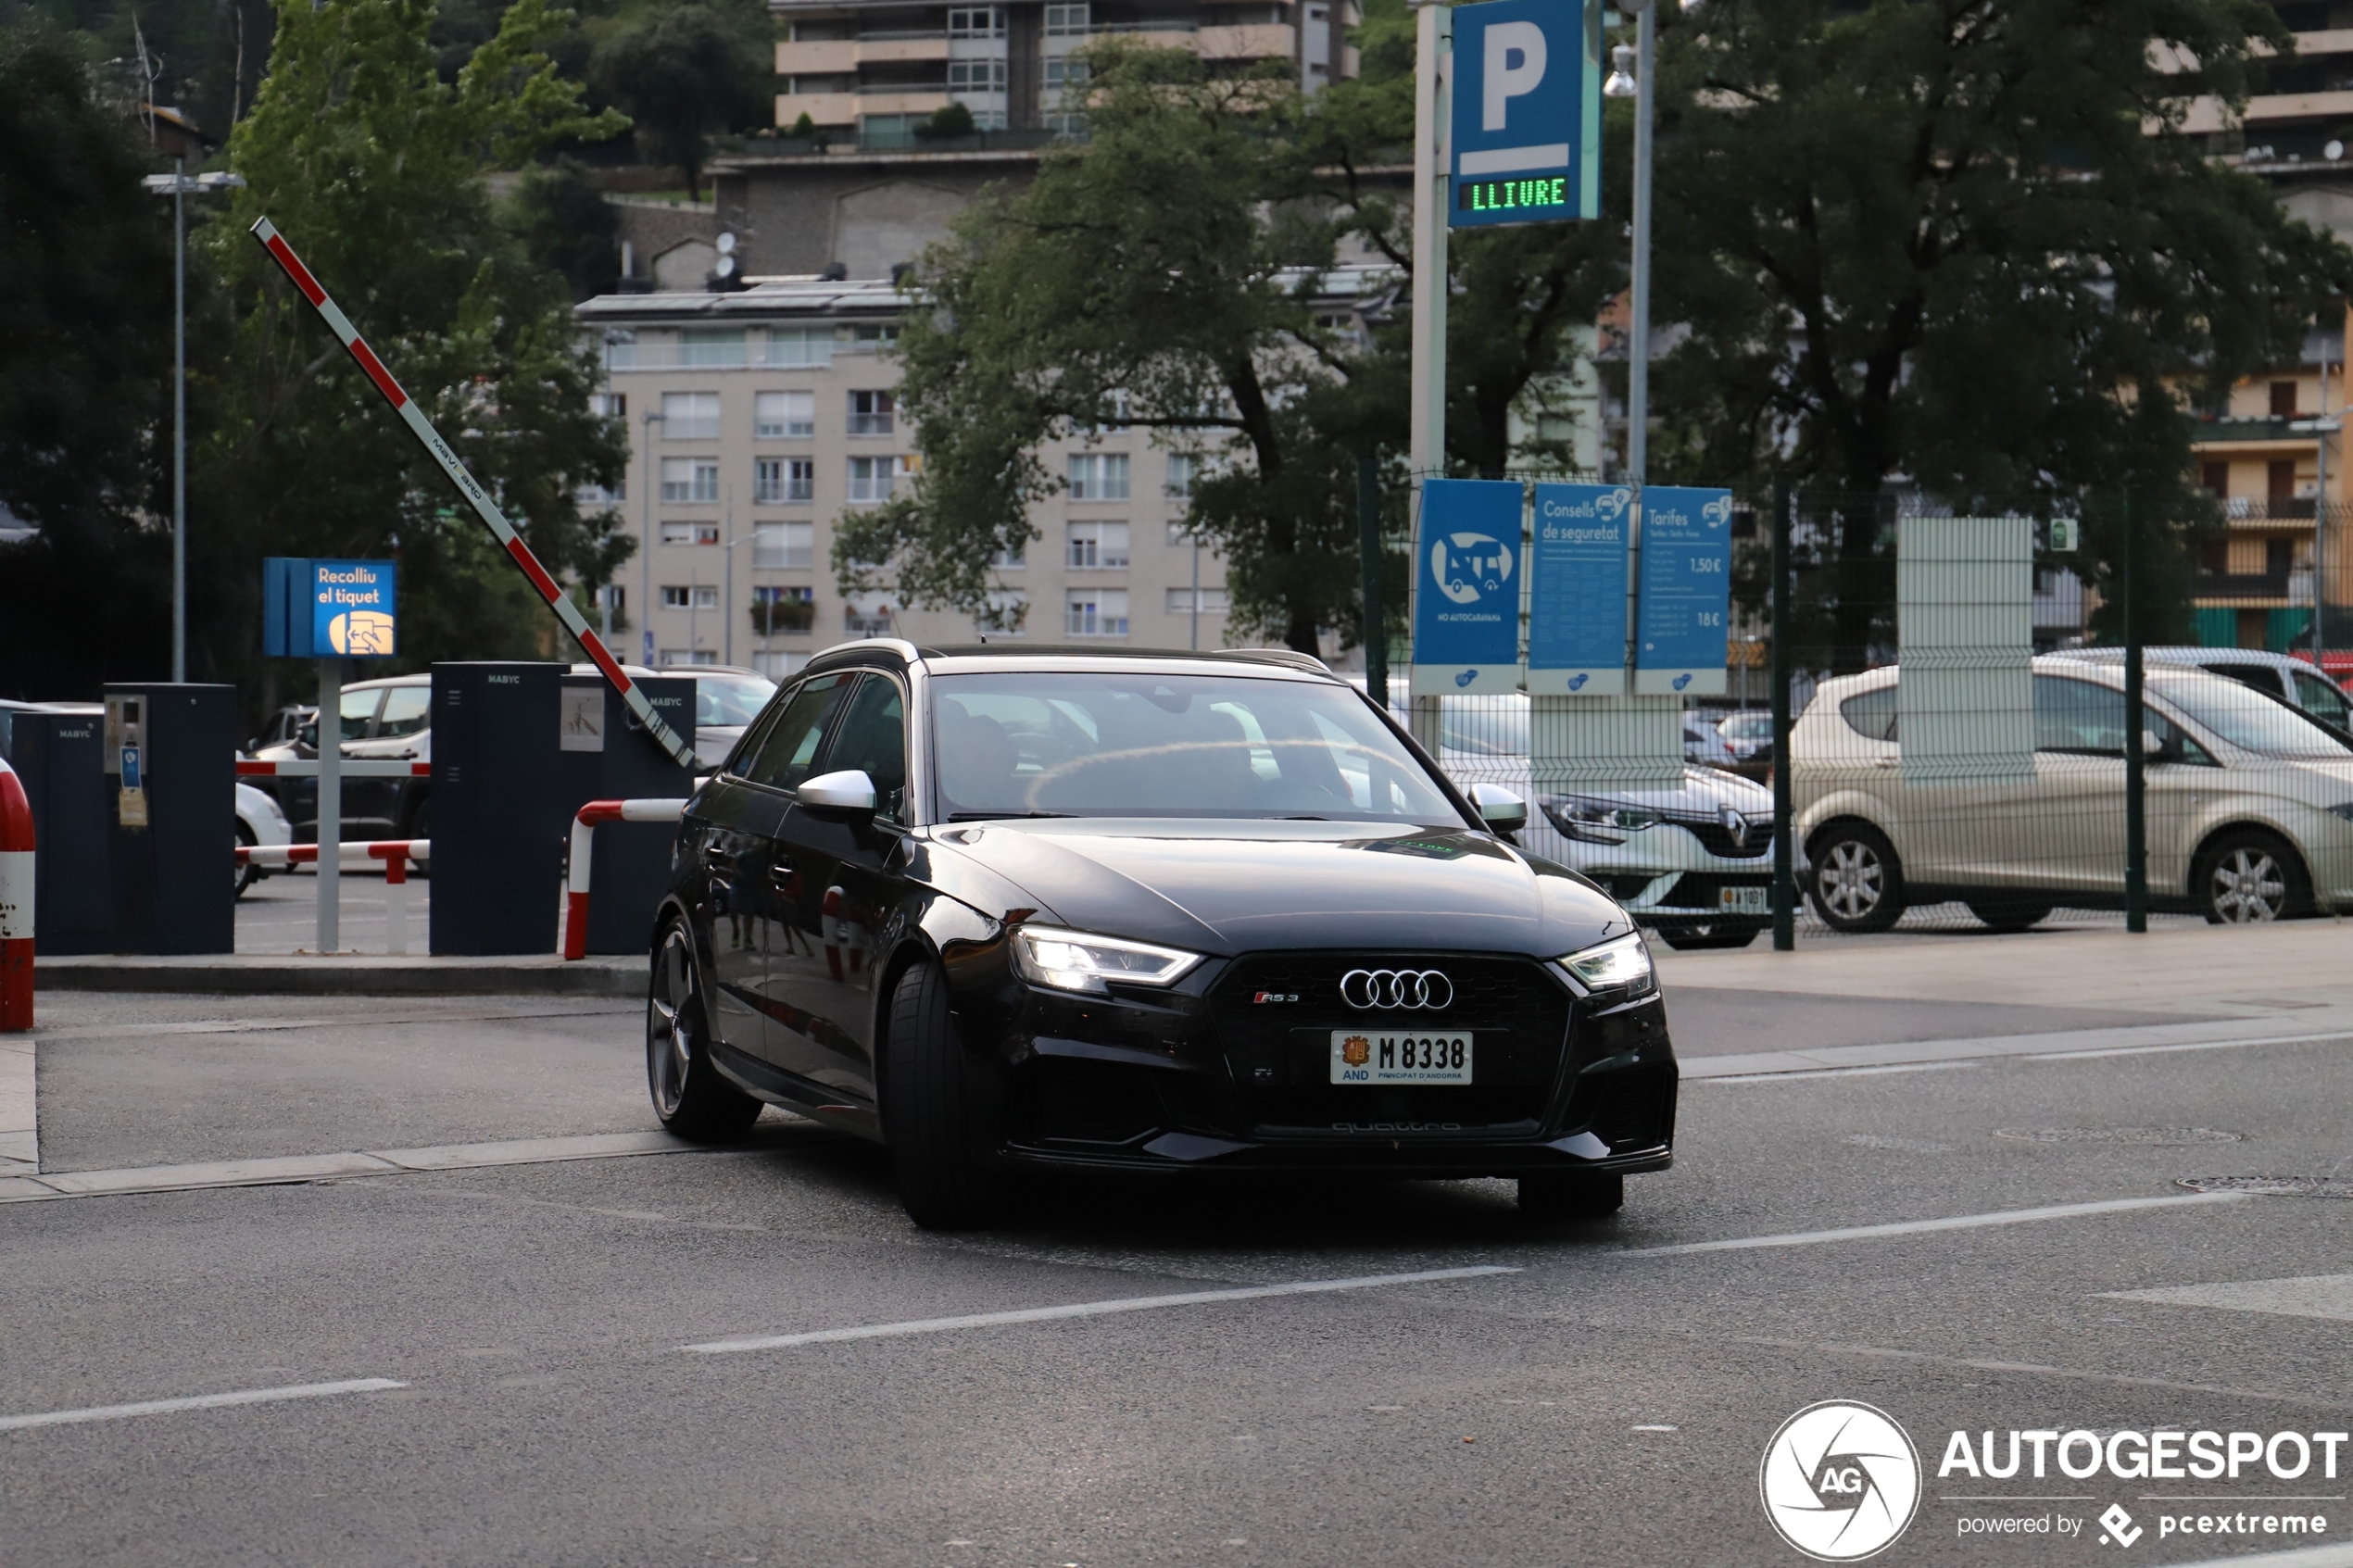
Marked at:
<point>1602,1401</point>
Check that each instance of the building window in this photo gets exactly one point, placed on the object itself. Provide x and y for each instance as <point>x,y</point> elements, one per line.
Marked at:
<point>975,21</point>
<point>1099,476</point>
<point>691,479</point>
<point>1063,71</point>
<point>782,547</point>
<point>1013,559</point>
<point>690,533</point>
<point>1180,601</point>
<point>869,334</point>
<point>690,416</point>
<point>783,480</point>
<point>711,347</point>
<point>777,666</point>
<point>1098,547</point>
<point>1069,124</point>
<point>866,615</point>
<point>1005,617</point>
<point>610,405</point>
<point>874,479</point>
<point>1066,21</point>
<point>976,76</point>
<point>2216,477</point>
<point>785,414</point>
<point>782,611</point>
<point>1183,468</point>
<point>690,596</point>
<point>800,348</point>
<point>2282,400</point>
<point>1100,612</point>
<point>872,413</point>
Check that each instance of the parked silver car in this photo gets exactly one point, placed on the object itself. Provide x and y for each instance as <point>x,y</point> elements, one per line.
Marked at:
<point>2249,805</point>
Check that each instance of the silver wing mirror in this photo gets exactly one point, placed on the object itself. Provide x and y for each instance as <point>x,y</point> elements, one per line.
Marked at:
<point>846,794</point>
<point>1499,808</point>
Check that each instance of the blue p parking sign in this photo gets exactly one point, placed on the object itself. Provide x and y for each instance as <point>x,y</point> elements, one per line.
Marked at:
<point>1526,133</point>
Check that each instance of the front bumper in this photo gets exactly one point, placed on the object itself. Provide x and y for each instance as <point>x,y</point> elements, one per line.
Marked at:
<point>1210,1081</point>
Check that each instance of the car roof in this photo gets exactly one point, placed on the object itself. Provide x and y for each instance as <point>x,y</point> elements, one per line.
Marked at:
<point>2187,654</point>
<point>977,658</point>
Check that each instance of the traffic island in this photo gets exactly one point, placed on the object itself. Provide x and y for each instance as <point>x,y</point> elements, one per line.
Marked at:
<point>366,974</point>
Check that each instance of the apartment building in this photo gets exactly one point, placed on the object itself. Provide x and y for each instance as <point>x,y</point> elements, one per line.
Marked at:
<point>757,417</point>
<point>879,68</point>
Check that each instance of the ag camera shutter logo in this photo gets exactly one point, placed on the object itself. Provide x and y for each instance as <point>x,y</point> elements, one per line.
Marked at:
<point>1840,1481</point>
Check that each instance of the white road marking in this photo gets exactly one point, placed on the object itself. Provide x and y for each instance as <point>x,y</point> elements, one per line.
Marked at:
<point>1086,1310</point>
<point>1916,1227</point>
<point>198,1402</point>
<point>2310,1296</point>
<point>2057,1045</point>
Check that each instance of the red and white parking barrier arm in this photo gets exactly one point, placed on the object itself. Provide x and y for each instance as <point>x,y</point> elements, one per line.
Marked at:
<point>395,854</point>
<point>353,767</point>
<point>15,904</point>
<point>469,487</point>
<point>584,828</point>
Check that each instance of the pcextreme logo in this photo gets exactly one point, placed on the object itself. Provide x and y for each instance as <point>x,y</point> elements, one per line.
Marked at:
<point>1841,1480</point>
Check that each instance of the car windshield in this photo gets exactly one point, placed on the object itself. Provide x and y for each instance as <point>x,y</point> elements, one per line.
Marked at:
<point>2246,718</point>
<point>1036,743</point>
<point>725,700</point>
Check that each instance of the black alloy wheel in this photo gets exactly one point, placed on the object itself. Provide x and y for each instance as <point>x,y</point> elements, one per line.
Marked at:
<point>2250,877</point>
<point>2008,914</point>
<point>1714,933</point>
<point>1856,884</point>
<point>248,874</point>
<point>689,1095</point>
<point>934,1111</point>
<point>1571,1194</point>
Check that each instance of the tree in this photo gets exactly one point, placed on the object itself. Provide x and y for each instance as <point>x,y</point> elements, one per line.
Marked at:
<point>1966,242</point>
<point>567,226</point>
<point>371,165</point>
<point>85,355</point>
<point>681,72</point>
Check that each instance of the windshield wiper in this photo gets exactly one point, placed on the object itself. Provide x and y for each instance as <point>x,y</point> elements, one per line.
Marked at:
<point>997,816</point>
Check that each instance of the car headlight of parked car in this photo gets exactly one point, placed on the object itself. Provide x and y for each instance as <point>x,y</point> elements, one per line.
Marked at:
<point>1623,964</point>
<point>1596,820</point>
<point>1074,960</point>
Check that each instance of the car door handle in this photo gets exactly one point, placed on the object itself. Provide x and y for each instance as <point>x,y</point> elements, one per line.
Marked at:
<point>718,859</point>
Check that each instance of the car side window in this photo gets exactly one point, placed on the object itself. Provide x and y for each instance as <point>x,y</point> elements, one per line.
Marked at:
<point>1871,714</point>
<point>406,710</point>
<point>2263,677</point>
<point>2085,719</point>
<point>2324,699</point>
<point>872,738</point>
<point>786,752</point>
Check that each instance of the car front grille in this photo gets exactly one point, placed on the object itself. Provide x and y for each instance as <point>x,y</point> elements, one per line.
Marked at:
<point>1718,839</point>
<point>1279,1051</point>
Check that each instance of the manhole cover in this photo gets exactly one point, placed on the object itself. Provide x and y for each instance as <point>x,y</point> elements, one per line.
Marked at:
<point>2160,1138</point>
<point>2283,1187</point>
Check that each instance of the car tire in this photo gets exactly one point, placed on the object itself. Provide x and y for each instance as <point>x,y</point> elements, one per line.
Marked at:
<point>933,1115</point>
<point>2250,877</point>
<point>1856,883</point>
<point>1571,1194</point>
<point>689,1095</point>
<point>1715,935</point>
<point>248,874</point>
<point>2006,914</point>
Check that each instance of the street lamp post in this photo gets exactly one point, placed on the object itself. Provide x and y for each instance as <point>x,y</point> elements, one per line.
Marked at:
<point>645,540</point>
<point>179,187</point>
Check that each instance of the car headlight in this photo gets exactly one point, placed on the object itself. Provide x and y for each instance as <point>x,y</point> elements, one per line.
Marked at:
<point>1620,965</point>
<point>1597,820</point>
<point>1073,961</point>
<point>2344,810</point>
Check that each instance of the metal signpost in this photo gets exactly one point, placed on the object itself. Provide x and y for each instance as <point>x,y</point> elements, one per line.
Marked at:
<point>330,611</point>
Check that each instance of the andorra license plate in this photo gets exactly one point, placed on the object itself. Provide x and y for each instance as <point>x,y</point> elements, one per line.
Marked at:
<point>1747,900</point>
<point>1400,1058</point>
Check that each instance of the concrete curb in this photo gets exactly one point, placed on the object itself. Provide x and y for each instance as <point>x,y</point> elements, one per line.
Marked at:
<point>365,975</point>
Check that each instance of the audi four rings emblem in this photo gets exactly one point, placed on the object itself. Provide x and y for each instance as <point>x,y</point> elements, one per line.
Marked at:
<point>1396,989</point>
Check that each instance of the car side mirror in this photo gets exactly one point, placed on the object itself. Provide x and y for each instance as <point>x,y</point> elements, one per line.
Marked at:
<point>1499,808</point>
<point>2152,744</point>
<point>848,794</point>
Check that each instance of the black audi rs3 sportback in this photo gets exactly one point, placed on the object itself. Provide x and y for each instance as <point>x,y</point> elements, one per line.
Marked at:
<point>1157,911</point>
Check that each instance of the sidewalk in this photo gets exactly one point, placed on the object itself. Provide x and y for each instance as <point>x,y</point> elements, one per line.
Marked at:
<point>364,975</point>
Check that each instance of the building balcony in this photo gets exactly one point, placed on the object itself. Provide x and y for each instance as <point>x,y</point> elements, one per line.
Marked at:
<point>2252,589</point>
<point>1258,41</point>
<point>2252,512</point>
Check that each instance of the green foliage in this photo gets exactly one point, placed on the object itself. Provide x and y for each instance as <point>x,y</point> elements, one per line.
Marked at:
<point>369,163</point>
<point>804,126</point>
<point>85,357</point>
<point>567,226</point>
<point>946,121</point>
<point>683,71</point>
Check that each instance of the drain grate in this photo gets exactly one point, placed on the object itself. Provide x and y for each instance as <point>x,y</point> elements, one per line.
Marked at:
<point>2281,1186</point>
<point>2154,1137</point>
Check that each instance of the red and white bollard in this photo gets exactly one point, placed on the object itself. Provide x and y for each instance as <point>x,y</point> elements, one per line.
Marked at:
<point>576,869</point>
<point>15,904</point>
